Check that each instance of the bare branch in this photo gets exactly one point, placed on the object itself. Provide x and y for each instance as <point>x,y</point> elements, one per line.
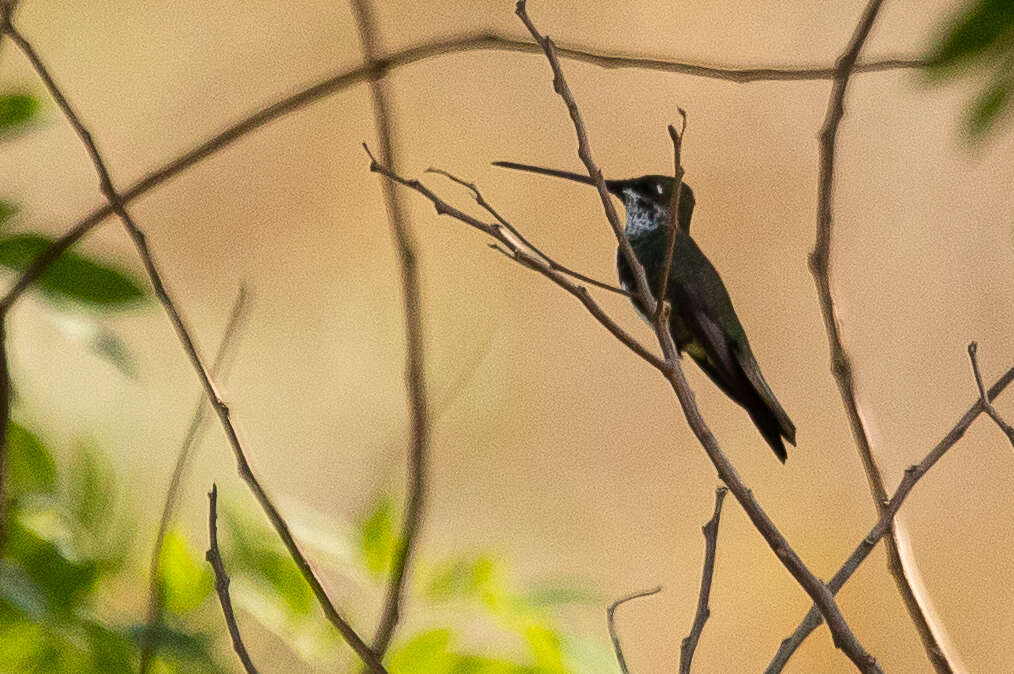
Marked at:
<point>912,475</point>
<point>703,611</point>
<point>485,205</point>
<point>414,368</point>
<point>987,405</point>
<point>117,205</point>
<point>611,623</point>
<point>663,281</point>
<point>347,78</point>
<point>844,639</point>
<point>150,639</point>
<point>841,365</point>
<point>214,558</point>
<point>510,248</point>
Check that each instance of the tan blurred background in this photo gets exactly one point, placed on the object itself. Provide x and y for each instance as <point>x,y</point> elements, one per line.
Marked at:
<point>563,452</point>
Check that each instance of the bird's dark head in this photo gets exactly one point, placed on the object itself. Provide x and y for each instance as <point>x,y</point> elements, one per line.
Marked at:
<point>652,194</point>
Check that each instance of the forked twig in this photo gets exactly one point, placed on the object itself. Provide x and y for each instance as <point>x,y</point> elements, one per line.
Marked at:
<point>710,531</point>
<point>614,635</point>
<point>912,475</point>
<point>214,558</point>
<point>553,264</point>
<point>984,398</point>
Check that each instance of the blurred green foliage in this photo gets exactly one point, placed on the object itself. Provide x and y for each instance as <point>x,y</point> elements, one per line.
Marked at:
<point>978,41</point>
<point>17,110</point>
<point>71,570</point>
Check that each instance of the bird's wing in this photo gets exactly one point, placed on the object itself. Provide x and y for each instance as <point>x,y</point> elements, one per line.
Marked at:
<point>704,305</point>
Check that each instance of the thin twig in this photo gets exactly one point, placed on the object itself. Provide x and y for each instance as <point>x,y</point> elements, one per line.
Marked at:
<point>346,78</point>
<point>663,281</point>
<point>844,639</point>
<point>611,623</point>
<point>214,558</point>
<point>510,248</point>
<point>987,404</point>
<point>485,205</point>
<point>899,565</point>
<point>116,203</point>
<point>912,475</point>
<point>150,639</point>
<point>710,531</point>
<point>414,366</point>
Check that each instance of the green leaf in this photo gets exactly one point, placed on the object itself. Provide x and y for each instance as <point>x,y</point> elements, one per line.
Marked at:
<point>30,465</point>
<point>464,578</point>
<point>377,537</point>
<point>16,110</point>
<point>561,595</point>
<point>546,646</point>
<point>185,582</point>
<point>986,25</point>
<point>425,653</point>
<point>7,211</point>
<point>66,583</point>
<point>989,107</point>
<point>256,554</point>
<point>90,489</point>
<point>111,347</point>
<point>72,277</point>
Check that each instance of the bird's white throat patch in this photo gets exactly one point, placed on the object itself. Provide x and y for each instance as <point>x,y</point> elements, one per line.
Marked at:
<point>643,215</point>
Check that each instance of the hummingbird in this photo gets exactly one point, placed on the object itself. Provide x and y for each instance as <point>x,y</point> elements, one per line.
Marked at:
<point>702,322</point>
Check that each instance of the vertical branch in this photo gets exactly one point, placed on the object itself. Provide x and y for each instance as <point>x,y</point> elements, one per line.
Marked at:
<point>842,634</point>
<point>900,566</point>
<point>611,624</point>
<point>414,366</point>
<point>150,639</point>
<point>214,558</point>
<point>186,340</point>
<point>663,281</point>
<point>710,531</point>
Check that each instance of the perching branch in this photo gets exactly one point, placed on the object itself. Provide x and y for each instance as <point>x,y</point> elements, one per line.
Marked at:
<point>984,397</point>
<point>553,264</point>
<point>214,558</point>
<point>898,563</point>
<point>516,252</point>
<point>117,205</point>
<point>414,368</point>
<point>150,638</point>
<point>710,531</point>
<point>663,282</point>
<point>844,639</point>
<point>611,623</point>
<point>912,475</point>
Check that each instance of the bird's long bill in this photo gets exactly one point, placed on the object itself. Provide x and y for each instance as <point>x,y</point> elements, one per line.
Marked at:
<point>611,185</point>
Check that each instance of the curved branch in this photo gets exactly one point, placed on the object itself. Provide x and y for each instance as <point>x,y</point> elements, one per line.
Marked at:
<point>414,368</point>
<point>912,475</point>
<point>614,636</point>
<point>898,562</point>
<point>118,206</point>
